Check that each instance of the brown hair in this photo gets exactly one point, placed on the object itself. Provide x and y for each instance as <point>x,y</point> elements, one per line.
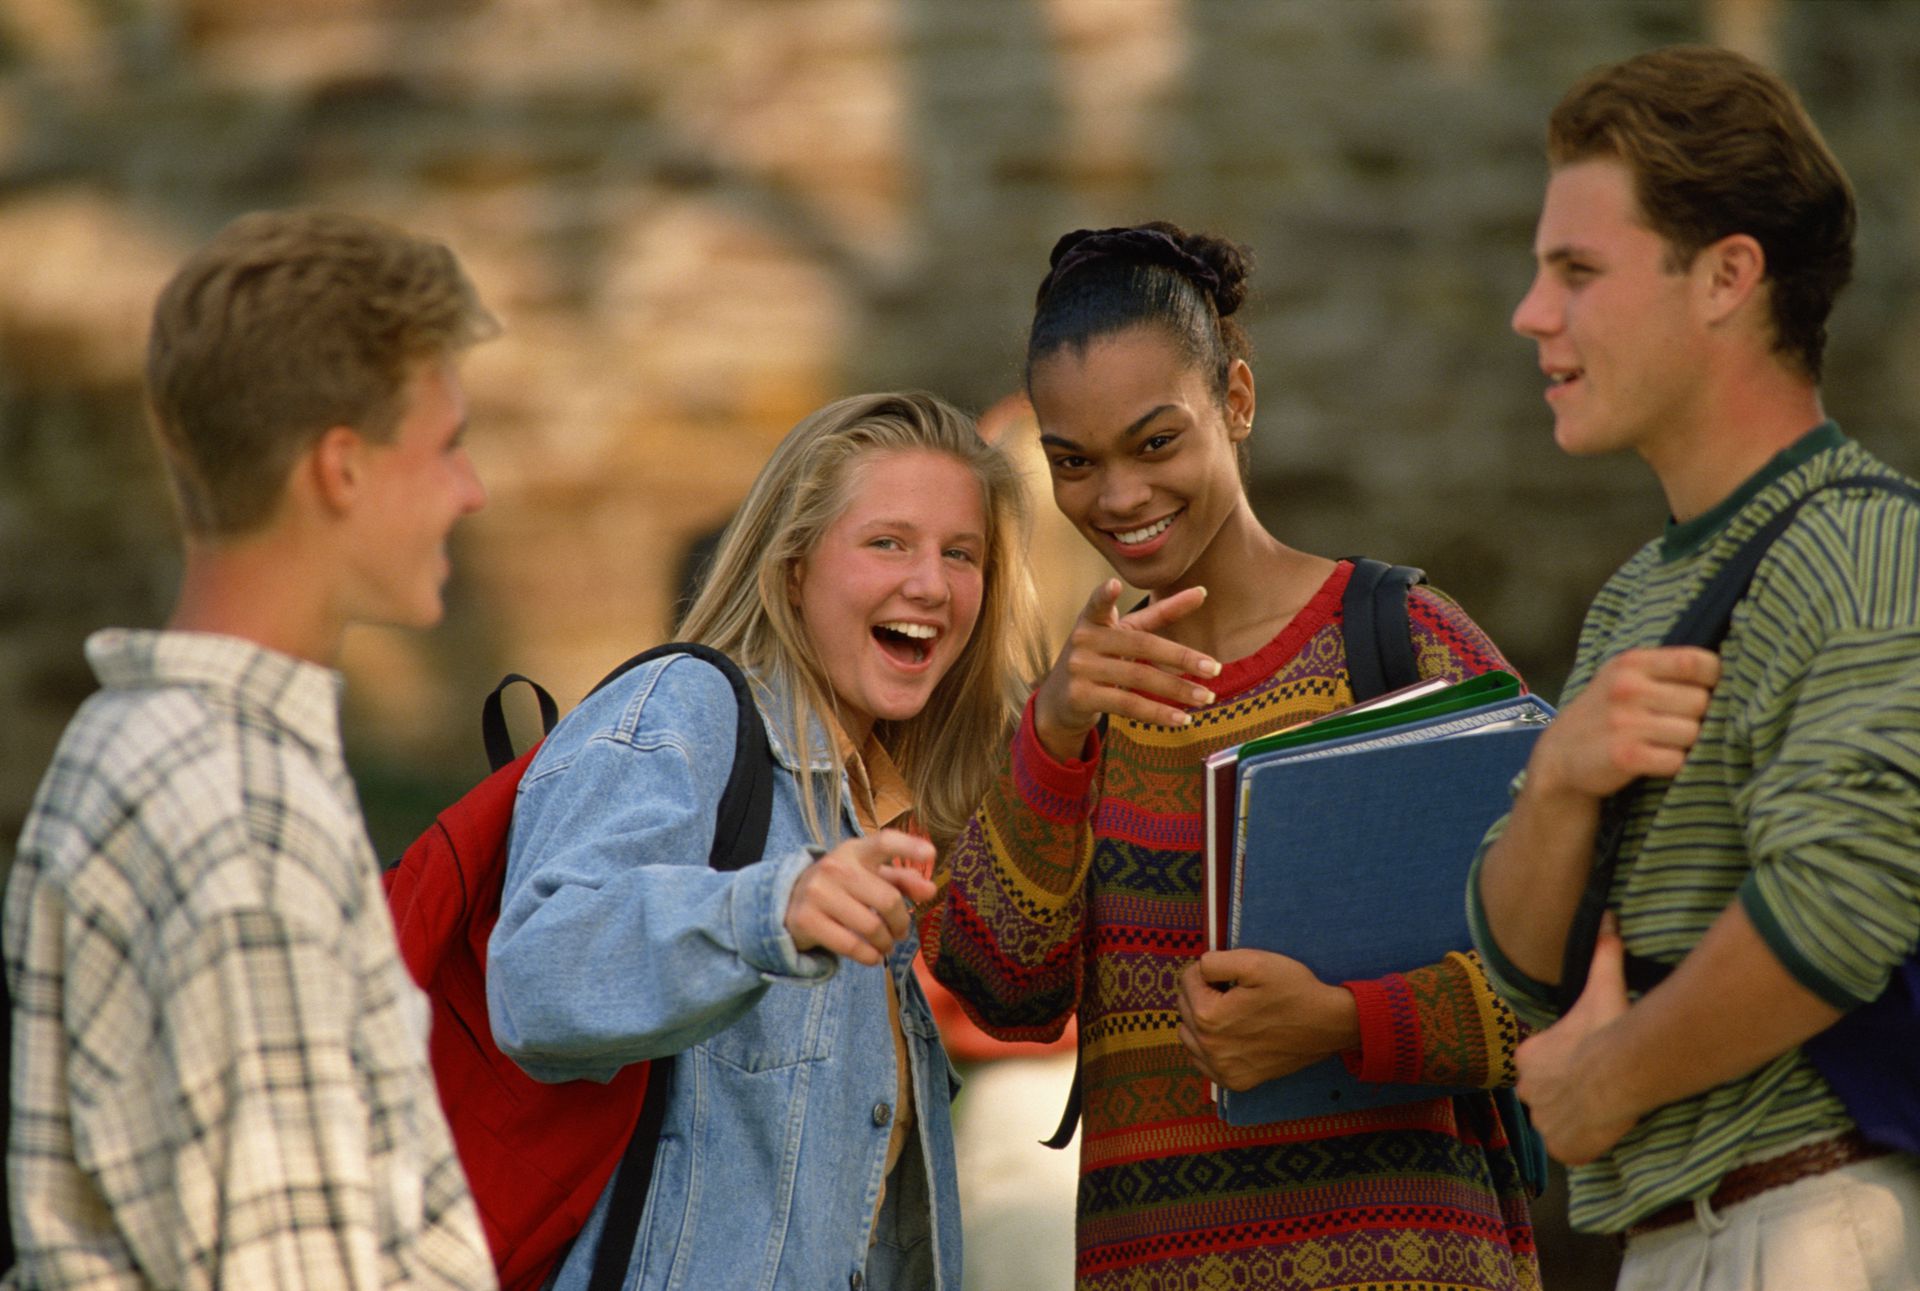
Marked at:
<point>949,750</point>
<point>1719,145</point>
<point>284,325</point>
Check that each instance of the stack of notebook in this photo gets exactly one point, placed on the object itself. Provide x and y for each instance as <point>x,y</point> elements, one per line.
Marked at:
<point>1345,843</point>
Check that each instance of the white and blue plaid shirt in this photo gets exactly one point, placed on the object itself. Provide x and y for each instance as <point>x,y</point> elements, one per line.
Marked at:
<point>219,1062</point>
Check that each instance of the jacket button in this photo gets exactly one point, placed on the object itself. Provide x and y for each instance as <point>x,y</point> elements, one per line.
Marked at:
<point>856,1280</point>
<point>882,1113</point>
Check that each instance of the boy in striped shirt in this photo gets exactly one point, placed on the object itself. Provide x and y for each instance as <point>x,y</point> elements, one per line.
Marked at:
<point>1694,234</point>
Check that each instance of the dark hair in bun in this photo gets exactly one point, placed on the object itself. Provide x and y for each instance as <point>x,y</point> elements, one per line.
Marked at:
<point>1103,281</point>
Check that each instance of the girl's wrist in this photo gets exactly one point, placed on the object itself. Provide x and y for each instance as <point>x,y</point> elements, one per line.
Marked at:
<point>1061,743</point>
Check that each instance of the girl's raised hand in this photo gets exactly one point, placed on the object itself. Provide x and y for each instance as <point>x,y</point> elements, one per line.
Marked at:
<point>854,901</point>
<point>1118,663</point>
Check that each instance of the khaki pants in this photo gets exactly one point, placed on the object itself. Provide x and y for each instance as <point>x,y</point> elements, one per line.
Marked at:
<point>1852,1229</point>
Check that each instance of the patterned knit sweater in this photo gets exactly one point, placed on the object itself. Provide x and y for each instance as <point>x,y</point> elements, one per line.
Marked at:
<point>1077,887</point>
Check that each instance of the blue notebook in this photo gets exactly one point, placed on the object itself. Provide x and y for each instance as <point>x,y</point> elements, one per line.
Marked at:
<point>1352,857</point>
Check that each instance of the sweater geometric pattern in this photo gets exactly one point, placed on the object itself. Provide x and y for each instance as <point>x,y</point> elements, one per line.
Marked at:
<point>1077,889</point>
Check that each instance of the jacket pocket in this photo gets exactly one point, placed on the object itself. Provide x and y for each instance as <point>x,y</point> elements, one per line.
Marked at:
<point>791,1024</point>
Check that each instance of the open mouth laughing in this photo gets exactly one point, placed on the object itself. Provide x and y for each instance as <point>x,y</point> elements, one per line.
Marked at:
<point>905,642</point>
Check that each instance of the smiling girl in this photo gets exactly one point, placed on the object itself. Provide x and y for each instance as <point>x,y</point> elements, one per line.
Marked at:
<point>1076,887</point>
<point>870,588</point>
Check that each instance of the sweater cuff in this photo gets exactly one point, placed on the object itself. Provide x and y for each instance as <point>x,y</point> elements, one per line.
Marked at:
<point>1389,1035</point>
<point>1035,767</point>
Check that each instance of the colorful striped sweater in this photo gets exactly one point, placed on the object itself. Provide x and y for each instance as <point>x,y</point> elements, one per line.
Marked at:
<point>1798,800</point>
<point>1076,887</point>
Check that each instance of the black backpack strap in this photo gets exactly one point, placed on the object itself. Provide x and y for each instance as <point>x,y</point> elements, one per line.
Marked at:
<point>494,734</point>
<point>1583,932</point>
<point>1069,1115</point>
<point>1378,638</point>
<point>1704,623</point>
<point>739,837</point>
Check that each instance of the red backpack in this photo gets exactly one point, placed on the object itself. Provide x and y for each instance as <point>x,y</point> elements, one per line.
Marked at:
<point>538,1156</point>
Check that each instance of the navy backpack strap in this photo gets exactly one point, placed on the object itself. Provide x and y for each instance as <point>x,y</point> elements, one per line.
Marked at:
<point>1379,640</point>
<point>739,837</point>
<point>1704,623</point>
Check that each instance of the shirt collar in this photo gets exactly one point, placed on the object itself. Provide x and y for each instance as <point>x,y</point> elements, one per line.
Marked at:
<point>1684,539</point>
<point>302,697</point>
<point>880,793</point>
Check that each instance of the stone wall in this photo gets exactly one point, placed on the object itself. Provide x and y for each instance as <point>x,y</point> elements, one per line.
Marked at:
<point>702,218</point>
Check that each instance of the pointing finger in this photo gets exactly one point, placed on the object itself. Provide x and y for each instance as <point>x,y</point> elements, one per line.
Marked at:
<point>1102,606</point>
<point>1151,618</point>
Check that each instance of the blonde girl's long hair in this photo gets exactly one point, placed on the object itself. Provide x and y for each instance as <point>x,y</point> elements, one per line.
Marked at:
<point>948,752</point>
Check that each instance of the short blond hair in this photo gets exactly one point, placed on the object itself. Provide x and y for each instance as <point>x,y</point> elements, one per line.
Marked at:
<point>284,325</point>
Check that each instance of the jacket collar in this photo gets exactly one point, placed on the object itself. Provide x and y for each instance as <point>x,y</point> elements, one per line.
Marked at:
<point>776,711</point>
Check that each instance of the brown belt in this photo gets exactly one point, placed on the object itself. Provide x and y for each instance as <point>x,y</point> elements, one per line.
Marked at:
<point>1748,1181</point>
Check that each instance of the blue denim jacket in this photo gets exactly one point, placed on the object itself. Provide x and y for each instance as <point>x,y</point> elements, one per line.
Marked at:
<point>616,943</point>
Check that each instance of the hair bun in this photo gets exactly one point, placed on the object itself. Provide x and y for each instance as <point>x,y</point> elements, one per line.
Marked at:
<point>1214,265</point>
<point>1229,262</point>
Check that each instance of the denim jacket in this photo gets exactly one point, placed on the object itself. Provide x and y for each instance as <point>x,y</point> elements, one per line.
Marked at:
<point>616,943</point>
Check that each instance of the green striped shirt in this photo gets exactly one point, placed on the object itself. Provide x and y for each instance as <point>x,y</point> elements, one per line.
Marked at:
<point>1801,798</point>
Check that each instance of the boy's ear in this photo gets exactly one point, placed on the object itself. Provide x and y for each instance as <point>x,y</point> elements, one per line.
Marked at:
<point>1736,266</point>
<point>335,467</point>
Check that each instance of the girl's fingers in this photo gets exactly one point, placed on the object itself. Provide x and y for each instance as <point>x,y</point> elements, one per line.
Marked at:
<point>853,910</point>
<point>1139,708</point>
<point>1127,642</point>
<point>1103,684</point>
<point>912,884</point>
<point>1157,614</point>
<point>1103,606</point>
<point>871,905</point>
<point>884,846</point>
<point>819,930</point>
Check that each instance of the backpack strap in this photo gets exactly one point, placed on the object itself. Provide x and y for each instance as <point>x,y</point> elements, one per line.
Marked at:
<point>739,837</point>
<point>1070,1114</point>
<point>1704,623</point>
<point>1378,637</point>
<point>1373,620</point>
<point>495,736</point>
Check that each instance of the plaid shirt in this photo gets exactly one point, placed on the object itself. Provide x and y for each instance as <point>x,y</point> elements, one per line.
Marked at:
<point>219,1063</point>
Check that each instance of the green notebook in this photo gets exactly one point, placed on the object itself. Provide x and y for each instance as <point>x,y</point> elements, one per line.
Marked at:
<point>1483,689</point>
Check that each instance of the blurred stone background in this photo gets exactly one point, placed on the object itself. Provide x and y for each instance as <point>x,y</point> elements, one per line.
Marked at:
<point>701,218</point>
